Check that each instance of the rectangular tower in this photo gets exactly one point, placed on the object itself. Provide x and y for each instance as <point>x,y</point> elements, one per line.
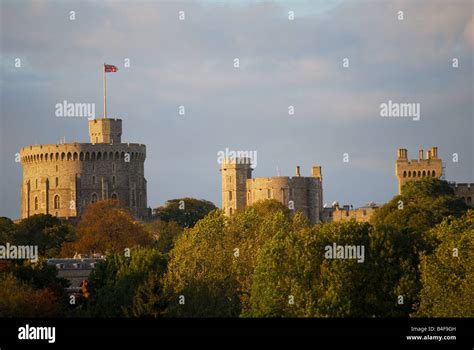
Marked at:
<point>416,169</point>
<point>105,130</point>
<point>234,173</point>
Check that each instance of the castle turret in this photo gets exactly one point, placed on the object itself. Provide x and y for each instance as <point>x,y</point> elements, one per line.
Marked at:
<point>105,130</point>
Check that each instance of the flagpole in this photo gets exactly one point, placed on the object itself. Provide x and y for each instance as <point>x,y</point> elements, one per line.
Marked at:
<point>105,93</point>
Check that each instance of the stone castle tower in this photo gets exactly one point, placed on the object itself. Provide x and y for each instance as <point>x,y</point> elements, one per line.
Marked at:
<point>62,179</point>
<point>431,166</point>
<point>410,170</point>
<point>239,189</point>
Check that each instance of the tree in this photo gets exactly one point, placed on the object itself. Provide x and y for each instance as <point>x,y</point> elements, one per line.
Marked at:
<point>211,265</point>
<point>199,280</point>
<point>295,278</point>
<point>45,231</point>
<point>165,233</point>
<point>19,299</point>
<point>31,290</point>
<point>447,275</point>
<point>185,211</point>
<point>107,226</point>
<point>421,205</point>
<point>250,229</point>
<point>7,230</point>
<point>122,286</point>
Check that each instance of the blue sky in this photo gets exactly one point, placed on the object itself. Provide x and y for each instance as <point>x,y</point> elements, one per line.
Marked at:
<point>282,63</point>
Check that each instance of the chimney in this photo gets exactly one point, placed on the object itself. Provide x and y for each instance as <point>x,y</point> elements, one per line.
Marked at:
<point>434,152</point>
<point>420,152</point>
<point>297,170</point>
<point>428,154</point>
<point>316,172</point>
<point>402,153</point>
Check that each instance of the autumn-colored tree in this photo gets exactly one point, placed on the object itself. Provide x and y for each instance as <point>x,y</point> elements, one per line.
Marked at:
<point>31,290</point>
<point>19,299</point>
<point>447,275</point>
<point>107,226</point>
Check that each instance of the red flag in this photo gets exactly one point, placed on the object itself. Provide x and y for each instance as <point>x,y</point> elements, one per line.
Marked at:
<point>110,68</point>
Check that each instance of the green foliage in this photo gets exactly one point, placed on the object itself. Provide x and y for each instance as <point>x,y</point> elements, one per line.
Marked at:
<point>212,264</point>
<point>165,233</point>
<point>200,269</point>
<point>46,231</point>
<point>293,267</point>
<point>184,211</point>
<point>7,230</point>
<point>421,205</point>
<point>124,286</point>
<point>448,274</point>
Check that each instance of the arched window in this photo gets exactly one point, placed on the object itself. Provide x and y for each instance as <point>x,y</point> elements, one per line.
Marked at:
<point>404,174</point>
<point>230,195</point>
<point>63,155</point>
<point>57,203</point>
<point>93,198</point>
<point>36,203</point>
<point>419,173</point>
<point>99,155</point>
<point>69,156</point>
<point>409,174</point>
<point>75,156</point>
<point>424,173</point>
<point>57,182</point>
<point>433,173</point>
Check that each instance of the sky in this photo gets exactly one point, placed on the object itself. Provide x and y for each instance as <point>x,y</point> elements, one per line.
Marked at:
<point>282,63</point>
